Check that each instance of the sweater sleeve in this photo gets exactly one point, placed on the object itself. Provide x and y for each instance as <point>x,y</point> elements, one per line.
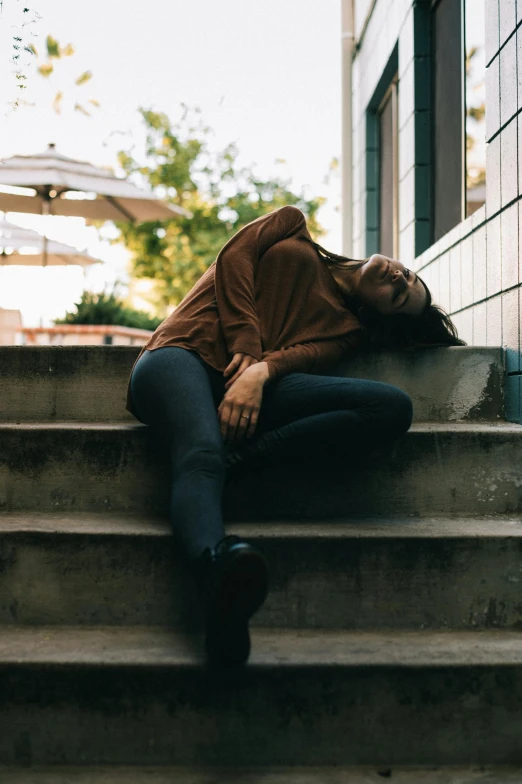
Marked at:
<point>236,266</point>
<point>314,357</point>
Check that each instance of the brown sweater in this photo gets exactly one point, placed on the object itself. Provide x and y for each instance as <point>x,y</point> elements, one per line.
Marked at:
<point>270,295</point>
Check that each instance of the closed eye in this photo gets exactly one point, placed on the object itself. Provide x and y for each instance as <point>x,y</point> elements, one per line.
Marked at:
<point>406,298</point>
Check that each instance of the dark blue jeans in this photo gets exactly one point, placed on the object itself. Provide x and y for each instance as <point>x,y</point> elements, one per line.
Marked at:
<point>177,393</point>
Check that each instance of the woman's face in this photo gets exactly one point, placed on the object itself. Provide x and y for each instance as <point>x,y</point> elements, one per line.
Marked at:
<point>389,287</point>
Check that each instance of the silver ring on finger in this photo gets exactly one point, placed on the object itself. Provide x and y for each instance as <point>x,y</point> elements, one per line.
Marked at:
<point>244,416</point>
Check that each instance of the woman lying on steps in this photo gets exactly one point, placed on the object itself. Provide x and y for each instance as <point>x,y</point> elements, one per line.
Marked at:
<point>240,371</point>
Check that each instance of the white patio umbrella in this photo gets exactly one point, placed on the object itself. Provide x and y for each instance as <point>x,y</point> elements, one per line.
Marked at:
<point>23,247</point>
<point>55,178</point>
<point>58,181</point>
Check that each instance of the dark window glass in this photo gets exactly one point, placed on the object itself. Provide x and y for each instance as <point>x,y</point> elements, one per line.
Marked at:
<point>448,116</point>
<point>388,229</point>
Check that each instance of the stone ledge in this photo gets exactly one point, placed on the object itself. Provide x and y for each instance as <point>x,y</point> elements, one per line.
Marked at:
<point>89,382</point>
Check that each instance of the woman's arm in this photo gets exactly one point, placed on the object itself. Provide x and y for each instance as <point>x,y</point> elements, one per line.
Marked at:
<point>316,357</point>
<point>236,266</point>
<point>238,412</point>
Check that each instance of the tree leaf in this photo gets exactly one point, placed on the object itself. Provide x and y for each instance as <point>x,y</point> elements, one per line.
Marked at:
<point>68,50</point>
<point>79,108</point>
<point>45,69</point>
<point>85,77</point>
<point>57,102</point>
<point>53,47</point>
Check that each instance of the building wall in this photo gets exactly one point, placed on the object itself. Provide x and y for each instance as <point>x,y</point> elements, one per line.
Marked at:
<point>473,271</point>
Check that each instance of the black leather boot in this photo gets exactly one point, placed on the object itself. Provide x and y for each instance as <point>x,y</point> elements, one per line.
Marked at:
<point>233,582</point>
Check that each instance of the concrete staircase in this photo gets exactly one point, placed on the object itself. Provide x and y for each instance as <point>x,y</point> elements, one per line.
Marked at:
<point>390,645</point>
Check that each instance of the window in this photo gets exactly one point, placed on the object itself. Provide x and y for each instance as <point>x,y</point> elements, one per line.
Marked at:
<point>475,34</point>
<point>388,173</point>
<point>448,116</point>
<point>381,161</point>
<point>458,92</point>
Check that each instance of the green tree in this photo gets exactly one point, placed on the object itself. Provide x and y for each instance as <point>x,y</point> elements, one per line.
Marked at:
<point>107,308</point>
<point>221,196</point>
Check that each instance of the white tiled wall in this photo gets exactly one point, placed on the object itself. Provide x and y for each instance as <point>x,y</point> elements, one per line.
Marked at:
<point>489,312</point>
<point>474,272</point>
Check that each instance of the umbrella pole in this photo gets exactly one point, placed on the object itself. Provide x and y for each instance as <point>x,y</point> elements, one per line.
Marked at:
<point>44,251</point>
<point>46,202</point>
<point>44,264</point>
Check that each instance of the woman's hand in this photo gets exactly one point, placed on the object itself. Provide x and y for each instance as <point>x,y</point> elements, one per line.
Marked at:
<point>239,410</point>
<point>240,362</point>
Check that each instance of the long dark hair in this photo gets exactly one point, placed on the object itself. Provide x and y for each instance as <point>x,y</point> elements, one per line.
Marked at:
<point>433,327</point>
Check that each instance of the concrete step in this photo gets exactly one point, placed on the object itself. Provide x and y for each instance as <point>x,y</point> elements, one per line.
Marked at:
<point>445,384</point>
<point>88,383</point>
<point>360,575</point>
<point>116,774</point>
<point>144,696</point>
<point>436,469</point>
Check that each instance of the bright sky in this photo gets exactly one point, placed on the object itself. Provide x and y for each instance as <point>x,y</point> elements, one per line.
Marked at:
<point>266,75</point>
